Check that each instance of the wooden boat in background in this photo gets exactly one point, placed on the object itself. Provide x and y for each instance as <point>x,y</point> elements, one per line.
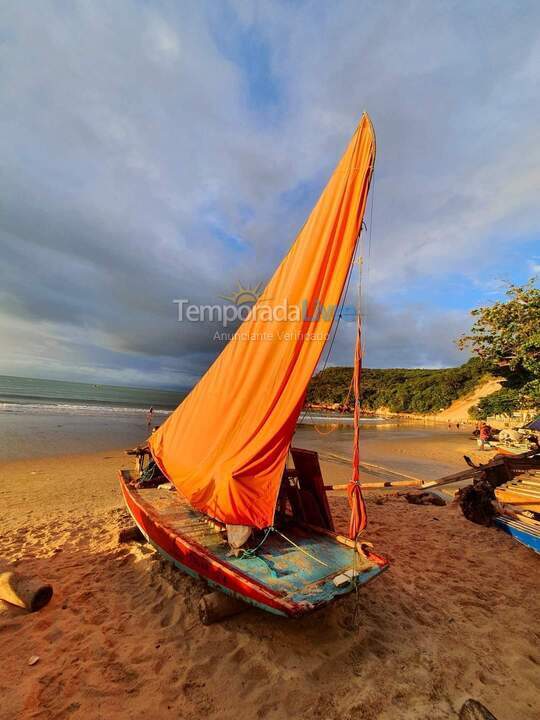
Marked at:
<point>523,529</point>
<point>516,483</point>
<point>513,450</point>
<point>300,567</point>
<point>523,494</point>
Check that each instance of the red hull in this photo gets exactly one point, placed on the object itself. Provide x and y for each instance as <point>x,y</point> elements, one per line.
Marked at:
<point>197,560</point>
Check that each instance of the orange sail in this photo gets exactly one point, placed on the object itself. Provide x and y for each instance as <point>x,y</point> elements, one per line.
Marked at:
<point>226,445</point>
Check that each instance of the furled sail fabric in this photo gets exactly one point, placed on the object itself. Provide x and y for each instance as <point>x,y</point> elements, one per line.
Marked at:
<point>358,520</point>
<point>226,445</point>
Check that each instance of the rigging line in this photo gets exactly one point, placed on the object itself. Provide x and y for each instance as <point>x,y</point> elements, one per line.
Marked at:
<point>332,428</point>
<point>344,295</point>
<point>339,314</point>
<point>346,403</point>
<point>356,611</point>
<point>370,232</point>
<point>312,418</point>
<point>253,552</point>
<point>359,261</point>
<point>299,548</point>
<point>371,213</point>
<point>342,303</point>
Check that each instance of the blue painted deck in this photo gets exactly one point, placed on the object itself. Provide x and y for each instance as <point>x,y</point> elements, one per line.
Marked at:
<point>277,564</point>
<point>282,567</point>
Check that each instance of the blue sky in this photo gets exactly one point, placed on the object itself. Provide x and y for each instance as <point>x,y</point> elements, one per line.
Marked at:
<point>157,150</point>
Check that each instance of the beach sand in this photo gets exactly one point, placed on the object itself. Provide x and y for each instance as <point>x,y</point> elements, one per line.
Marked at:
<point>456,616</point>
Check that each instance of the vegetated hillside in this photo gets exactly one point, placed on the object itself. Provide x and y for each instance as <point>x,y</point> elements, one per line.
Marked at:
<point>399,390</point>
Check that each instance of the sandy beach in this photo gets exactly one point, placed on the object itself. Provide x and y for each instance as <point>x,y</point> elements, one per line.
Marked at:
<point>269,300</point>
<point>455,616</point>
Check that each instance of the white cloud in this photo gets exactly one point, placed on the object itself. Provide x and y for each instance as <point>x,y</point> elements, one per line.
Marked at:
<point>131,155</point>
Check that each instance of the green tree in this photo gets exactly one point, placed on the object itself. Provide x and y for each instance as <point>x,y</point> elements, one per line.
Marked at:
<point>401,390</point>
<point>506,336</point>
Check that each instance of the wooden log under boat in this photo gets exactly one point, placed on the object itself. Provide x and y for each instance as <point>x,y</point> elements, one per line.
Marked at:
<point>291,574</point>
<point>130,534</point>
<point>217,606</point>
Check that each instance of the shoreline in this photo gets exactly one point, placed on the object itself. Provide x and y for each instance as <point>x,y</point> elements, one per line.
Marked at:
<point>379,441</point>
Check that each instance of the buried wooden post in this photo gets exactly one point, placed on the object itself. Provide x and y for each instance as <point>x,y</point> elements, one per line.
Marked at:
<point>25,591</point>
<point>130,534</point>
<point>217,606</point>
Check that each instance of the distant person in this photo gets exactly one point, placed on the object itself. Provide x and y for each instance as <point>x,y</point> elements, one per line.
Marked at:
<point>457,426</point>
<point>149,418</point>
<point>484,434</point>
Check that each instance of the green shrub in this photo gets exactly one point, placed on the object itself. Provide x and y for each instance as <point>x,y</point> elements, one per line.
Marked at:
<point>401,390</point>
<point>502,402</point>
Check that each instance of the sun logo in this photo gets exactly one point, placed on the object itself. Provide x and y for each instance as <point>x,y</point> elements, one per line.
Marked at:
<point>244,295</point>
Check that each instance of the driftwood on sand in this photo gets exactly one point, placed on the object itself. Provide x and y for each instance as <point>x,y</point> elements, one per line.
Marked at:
<point>23,590</point>
<point>423,498</point>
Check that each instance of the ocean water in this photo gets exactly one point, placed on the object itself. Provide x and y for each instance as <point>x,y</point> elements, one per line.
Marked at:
<point>41,418</point>
<point>18,394</point>
<point>51,417</point>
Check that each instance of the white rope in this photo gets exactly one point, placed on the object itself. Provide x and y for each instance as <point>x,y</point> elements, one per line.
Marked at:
<point>301,549</point>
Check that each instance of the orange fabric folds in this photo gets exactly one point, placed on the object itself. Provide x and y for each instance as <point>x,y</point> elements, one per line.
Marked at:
<point>226,445</point>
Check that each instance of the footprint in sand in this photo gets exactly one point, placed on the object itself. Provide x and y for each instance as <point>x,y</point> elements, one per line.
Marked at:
<point>166,620</point>
<point>117,672</point>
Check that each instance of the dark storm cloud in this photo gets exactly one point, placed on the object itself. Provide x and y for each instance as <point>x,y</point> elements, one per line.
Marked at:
<point>152,152</point>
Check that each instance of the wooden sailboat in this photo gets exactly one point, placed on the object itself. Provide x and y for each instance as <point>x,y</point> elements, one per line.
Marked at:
<point>300,567</point>
<point>242,518</point>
